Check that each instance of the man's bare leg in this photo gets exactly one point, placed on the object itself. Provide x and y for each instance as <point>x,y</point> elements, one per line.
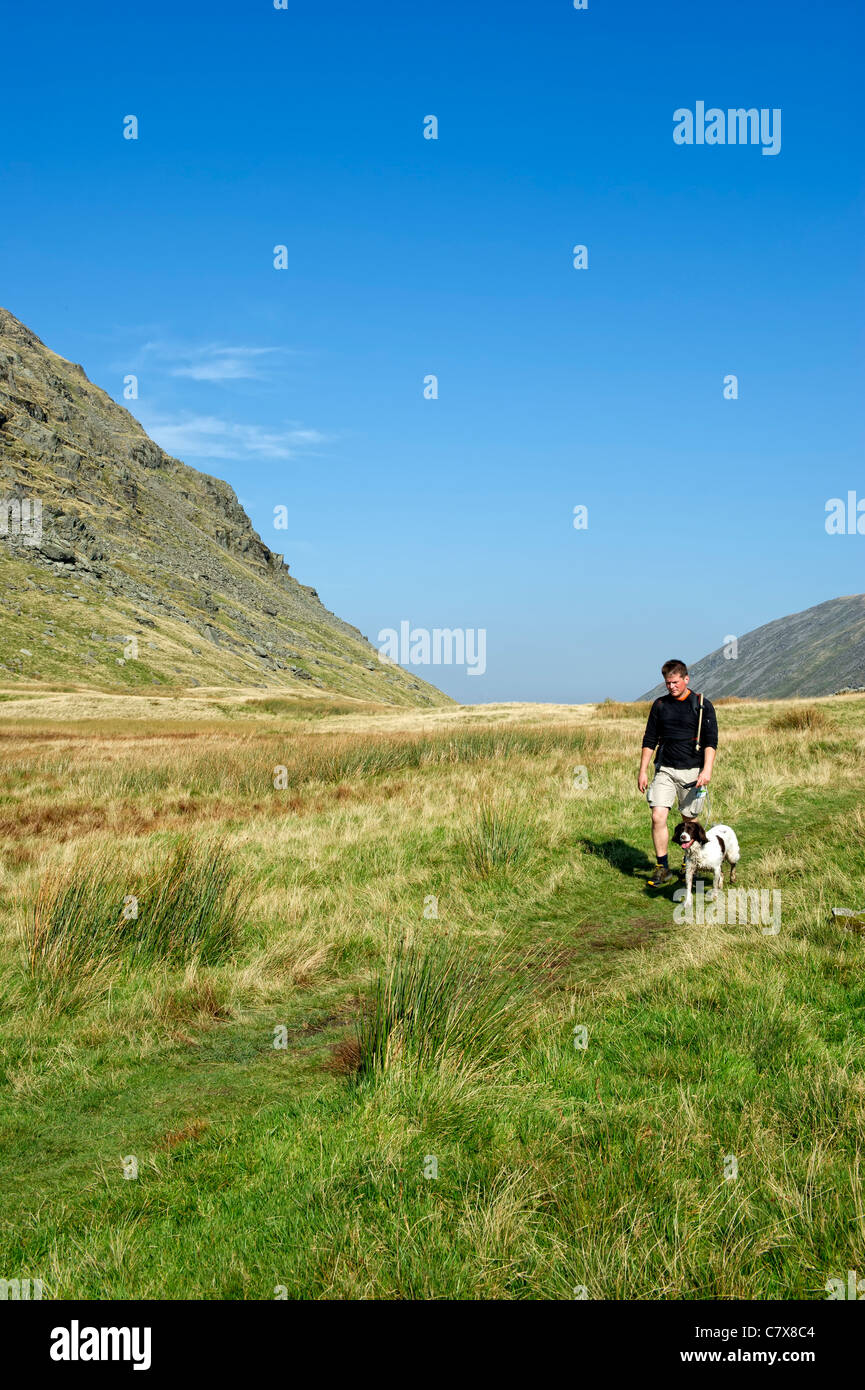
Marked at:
<point>660,833</point>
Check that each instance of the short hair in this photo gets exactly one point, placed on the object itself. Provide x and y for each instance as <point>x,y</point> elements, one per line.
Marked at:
<point>674,668</point>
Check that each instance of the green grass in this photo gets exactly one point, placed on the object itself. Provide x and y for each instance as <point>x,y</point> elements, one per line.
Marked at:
<point>428,930</point>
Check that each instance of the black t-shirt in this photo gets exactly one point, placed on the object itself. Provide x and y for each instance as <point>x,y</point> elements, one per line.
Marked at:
<point>672,729</point>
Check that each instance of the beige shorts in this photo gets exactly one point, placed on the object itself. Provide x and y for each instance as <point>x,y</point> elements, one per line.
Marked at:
<point>672,783</point>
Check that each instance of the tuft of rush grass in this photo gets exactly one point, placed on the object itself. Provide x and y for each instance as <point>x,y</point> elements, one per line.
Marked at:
<point>192,907</point>
<point>499,839</point>
<point>439,1004</point>
<point>87,919</point>
<point>802,717</point>
<point>67,944</point>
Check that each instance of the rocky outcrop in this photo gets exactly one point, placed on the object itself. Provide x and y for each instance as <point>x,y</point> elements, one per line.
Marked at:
<point>137,537</point>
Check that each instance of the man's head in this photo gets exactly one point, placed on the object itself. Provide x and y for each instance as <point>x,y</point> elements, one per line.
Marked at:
<point>676,678</point>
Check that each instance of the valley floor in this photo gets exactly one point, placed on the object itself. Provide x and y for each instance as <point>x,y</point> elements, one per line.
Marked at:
<point>325,1000</point>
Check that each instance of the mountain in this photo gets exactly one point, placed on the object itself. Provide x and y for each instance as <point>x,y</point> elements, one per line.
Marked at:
<point>817,652</point>
<point>137,545</point>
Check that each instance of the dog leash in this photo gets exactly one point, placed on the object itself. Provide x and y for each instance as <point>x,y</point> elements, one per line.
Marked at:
<point>705,805</point>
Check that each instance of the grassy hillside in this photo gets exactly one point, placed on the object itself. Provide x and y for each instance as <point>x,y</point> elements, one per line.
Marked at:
<point>819,651</point>
<point>147,573</point>
<point>429,1128</point>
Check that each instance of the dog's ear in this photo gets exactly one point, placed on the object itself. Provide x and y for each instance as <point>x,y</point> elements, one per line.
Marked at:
<point>678,830</point>
<point>699,833</point>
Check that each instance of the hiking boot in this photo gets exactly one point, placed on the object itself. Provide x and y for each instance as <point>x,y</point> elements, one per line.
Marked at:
<point>659,876</point>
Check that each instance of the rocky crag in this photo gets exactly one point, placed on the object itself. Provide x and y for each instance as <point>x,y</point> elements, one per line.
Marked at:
<point>123,567</point>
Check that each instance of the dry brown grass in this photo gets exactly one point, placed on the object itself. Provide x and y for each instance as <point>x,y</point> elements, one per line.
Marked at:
<point>618,709</point>
<point>296,958</point>
<point>192,1130</point>
<point>196,1000</point>
<point>345,1058</point>
<point>135,784</point>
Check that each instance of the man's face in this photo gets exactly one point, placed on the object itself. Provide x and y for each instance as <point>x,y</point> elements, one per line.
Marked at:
<point>677,685</point>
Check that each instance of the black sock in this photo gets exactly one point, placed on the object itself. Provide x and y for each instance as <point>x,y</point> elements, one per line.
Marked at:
<point>662,859</point>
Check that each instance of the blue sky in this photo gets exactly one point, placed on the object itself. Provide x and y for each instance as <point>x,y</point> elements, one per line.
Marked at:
<point>557,387</point>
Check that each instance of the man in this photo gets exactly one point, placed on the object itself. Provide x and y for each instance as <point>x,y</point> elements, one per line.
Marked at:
<point>682,764</point>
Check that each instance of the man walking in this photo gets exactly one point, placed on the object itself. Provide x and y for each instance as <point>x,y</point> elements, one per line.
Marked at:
<point>683,727</point>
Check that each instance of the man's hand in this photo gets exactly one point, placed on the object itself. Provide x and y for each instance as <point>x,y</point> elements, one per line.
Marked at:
<point>705,776</point>
<point>643,774</point>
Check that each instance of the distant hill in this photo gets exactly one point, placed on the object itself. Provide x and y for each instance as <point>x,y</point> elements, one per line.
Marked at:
<point>815,652</point>
<point>137,544</point>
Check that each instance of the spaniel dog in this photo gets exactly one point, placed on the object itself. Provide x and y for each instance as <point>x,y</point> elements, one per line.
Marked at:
<point>705,852</point>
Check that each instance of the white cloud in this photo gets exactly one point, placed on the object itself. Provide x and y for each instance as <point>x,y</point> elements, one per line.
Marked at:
<point>213,361</point>
<point>224,364</point>
<point>207,436</point>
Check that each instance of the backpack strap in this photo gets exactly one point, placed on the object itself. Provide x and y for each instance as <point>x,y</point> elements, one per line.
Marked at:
<point>698,696</point>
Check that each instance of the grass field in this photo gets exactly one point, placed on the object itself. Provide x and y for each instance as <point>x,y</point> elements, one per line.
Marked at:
<point>293,1004</point>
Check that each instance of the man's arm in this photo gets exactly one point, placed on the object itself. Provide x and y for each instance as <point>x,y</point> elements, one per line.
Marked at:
<point>650,742</point>
<point>706,775</point>
<point>709,737</point>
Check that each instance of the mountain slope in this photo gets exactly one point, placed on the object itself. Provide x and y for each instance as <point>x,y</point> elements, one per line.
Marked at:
<point>816,652</point>
<point>136,544</point>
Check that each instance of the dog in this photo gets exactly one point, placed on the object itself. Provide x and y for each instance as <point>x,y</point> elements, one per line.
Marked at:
<point>705,852</point>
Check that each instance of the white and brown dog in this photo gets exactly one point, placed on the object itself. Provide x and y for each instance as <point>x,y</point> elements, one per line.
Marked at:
<point>705,852</point>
